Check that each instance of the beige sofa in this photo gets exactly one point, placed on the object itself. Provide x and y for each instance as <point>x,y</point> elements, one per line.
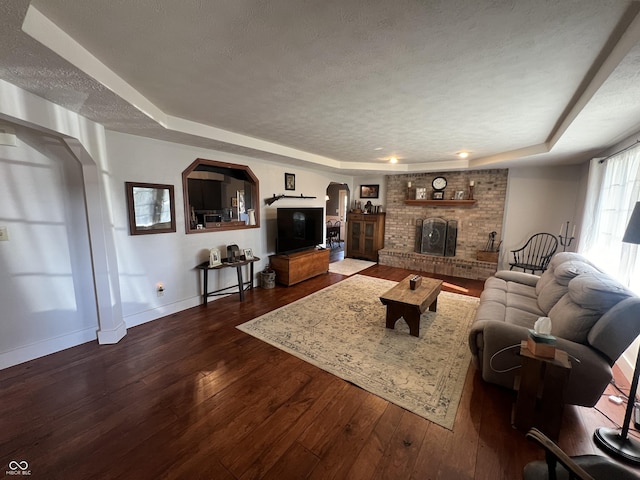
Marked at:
<point>593,316</point>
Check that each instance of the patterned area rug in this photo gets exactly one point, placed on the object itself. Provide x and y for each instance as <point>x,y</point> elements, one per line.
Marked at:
<point>349,266</point>
<point>341,329</point>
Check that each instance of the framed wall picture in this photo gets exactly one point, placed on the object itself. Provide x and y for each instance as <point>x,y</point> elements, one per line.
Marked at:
<point>214,257</point>
<point>151,208</point>
<point>248,254</point>
<point>289,181</point>
<point>369,191</point>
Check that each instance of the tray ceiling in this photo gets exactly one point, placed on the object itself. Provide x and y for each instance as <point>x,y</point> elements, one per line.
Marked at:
<point>342,85</point>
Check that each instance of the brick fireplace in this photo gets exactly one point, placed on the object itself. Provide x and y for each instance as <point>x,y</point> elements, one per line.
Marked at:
<point>474,222</point>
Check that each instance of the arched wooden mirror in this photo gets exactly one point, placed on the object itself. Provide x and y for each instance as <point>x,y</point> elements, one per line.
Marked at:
<point>219,196</point>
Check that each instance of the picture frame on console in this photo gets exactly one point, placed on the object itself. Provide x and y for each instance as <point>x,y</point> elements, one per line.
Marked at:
<point>248,254</point>
<point>369,191</point>
<point>214,257</point>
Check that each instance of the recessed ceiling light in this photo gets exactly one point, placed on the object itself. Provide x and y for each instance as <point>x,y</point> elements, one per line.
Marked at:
<point>463,154</point>
<point>393,160</point>
<point>378,149</point>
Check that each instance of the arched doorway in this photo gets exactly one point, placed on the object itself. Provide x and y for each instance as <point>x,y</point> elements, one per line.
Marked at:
<point>337,201</point>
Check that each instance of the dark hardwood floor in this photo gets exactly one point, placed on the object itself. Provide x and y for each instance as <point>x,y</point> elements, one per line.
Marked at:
<point>190,396</point>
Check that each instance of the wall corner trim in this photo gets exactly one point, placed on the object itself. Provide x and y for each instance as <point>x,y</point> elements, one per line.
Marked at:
<point>111,336</point>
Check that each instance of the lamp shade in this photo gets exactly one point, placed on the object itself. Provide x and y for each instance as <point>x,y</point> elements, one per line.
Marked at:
<point>632,234</point>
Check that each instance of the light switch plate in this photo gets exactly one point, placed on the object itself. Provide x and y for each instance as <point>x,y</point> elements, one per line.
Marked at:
<point>4,234</point>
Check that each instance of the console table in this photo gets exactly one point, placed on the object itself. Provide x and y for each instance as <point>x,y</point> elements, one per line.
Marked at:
<point>242,285</point>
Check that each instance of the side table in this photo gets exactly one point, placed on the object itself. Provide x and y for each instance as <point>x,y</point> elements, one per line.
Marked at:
<point>540,398</point>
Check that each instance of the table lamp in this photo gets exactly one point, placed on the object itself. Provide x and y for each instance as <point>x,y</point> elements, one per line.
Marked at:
<point>618,441</point>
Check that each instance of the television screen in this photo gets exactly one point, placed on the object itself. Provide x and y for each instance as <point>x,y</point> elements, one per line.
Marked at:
<point>299,229</point>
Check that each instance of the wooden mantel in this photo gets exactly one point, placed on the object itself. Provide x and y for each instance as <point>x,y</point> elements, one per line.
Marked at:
<point>442,203</point>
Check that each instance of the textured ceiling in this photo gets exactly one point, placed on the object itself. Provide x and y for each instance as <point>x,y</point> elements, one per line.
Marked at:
<point>327,82</point>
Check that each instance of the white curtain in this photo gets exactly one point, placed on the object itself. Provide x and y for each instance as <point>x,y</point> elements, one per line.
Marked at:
<point>612,192</point>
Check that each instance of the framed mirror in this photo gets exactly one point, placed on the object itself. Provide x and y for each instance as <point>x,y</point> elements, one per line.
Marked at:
<point>219,196</point>
<point>151,208</point>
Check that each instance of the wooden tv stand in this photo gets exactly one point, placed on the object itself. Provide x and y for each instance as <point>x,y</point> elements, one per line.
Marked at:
<point>296,267</point>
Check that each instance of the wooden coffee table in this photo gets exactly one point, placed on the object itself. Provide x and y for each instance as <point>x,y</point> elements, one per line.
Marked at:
<point>409,304</point>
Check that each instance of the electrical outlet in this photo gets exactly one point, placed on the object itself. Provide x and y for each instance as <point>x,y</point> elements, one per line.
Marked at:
<point>4,234</point>
<point>160,289</point>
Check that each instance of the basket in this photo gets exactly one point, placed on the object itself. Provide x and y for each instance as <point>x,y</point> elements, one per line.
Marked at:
<point>484,256</point>
<point>267,279</point>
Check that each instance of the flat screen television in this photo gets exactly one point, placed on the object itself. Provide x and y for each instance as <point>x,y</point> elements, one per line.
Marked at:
<point>299,229</point>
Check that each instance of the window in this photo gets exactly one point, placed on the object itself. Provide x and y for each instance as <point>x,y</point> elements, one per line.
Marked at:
<point>612,194</point>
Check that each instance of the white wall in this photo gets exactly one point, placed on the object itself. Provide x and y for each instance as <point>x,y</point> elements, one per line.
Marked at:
<point>369,180</point>
<point>170,258</point>
<point>540,199</point>
<point>46,281</point>
<point>73,270</point>
<point>46,284</point>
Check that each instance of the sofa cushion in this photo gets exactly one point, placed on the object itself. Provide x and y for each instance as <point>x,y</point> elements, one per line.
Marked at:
<point>522,318</point>
<point>550,294</point>
<point>497,283</point>
<point>557,260</point>
<point>545,279</point>
<point>493,295</point>
<point>490,310</point>
<point>518,277</point>
<point>562,257</point>
<point>569,270</point>
<point>524,304</point>
<point>598,293</point>
<point>553,290</point>
<point>572,321</point>
<point>514,288</point>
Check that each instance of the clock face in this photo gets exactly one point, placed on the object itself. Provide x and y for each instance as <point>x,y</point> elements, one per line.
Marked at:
<point>439,183</point>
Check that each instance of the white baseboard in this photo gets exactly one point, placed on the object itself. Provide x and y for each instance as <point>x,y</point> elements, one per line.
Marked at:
<point>162,311</point>
<point>46,347</point>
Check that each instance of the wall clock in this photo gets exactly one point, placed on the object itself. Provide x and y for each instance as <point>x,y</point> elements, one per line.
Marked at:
<point>439,183</point>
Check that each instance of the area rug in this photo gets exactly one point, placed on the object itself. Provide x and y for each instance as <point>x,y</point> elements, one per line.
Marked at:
<point>341,329</point>
<point>349,266</point>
